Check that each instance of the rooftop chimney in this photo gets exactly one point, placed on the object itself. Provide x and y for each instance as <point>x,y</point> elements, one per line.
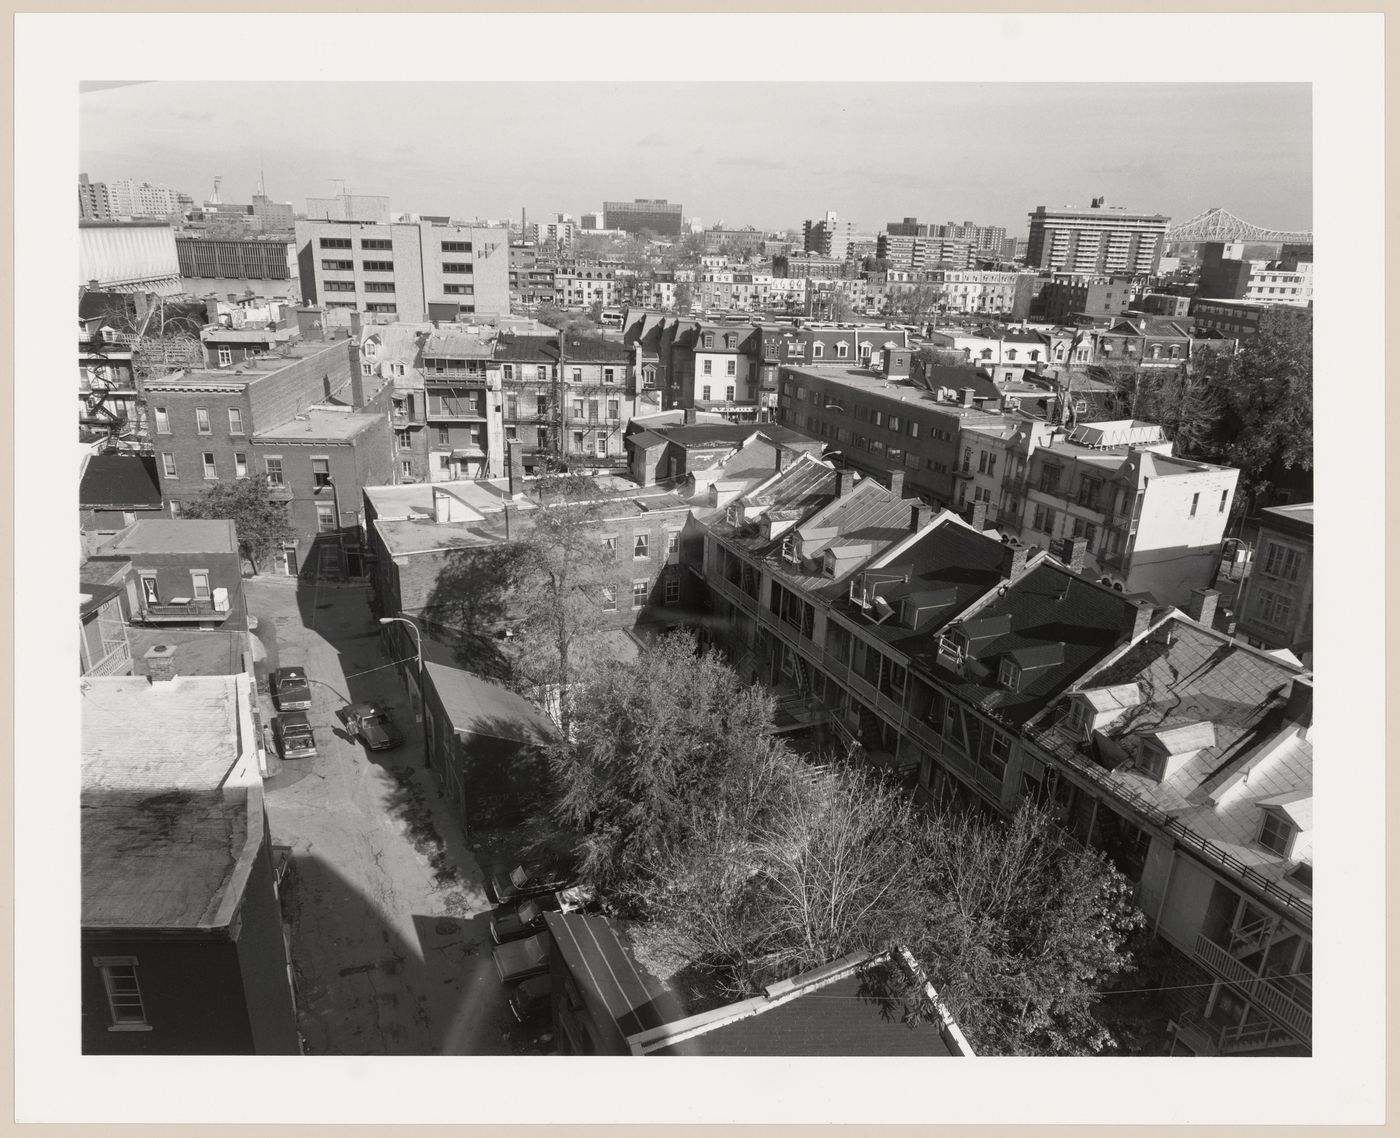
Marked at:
<point>897,483</point>
<point>919,515</point>
<point>1071,551</point>
<point>977,515</point>
<point>1201,607</point>
<point>690,414</point>
<point>845,483</point>
<point>1298,709</point>
<point>1013,560</point>
<point>967,393</point>
<point>160,663</point>
<point>1142,618</point>
<point>780,458</point>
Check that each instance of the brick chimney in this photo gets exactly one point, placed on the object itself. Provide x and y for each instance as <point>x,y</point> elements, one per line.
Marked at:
<point>1071,551</point>
<point>1201,607</point>
<point>780,459</point>
<point>919,515</point>
<point>690,414</point>
<point>1142,618</point>
<point>515,469</point>
<point>977,515</point>
<point>897,483</point>
<point>967,394</point>
<point>310,324</point>
<point>1013,560</point>
<point>1298,708</point>
<point>845,483</point>
<point>160,663</point>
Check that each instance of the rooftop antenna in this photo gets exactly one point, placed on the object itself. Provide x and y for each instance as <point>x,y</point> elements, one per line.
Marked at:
<point>218,181</point>
<point>262,188</point>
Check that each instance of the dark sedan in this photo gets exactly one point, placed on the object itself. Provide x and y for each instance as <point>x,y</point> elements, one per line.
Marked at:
<point>373,726</point>
<point>527,918</point>
<point>529,1000</point>
<point>521,959</point>
<point>291,689</point>
<point>522,882</point>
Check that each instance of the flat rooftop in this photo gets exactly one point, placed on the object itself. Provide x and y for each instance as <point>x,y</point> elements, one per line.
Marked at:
<point>247,371</point>
<point>174,535</point>
<point>321,424</point>
<point>164,812</point>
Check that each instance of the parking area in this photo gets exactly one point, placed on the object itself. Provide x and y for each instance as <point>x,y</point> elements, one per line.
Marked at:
<point>385,896</point>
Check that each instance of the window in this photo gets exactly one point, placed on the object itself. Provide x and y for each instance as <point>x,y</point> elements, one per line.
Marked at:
<point>210,470</point>
<point>1050,479</point>
<point>387,309</point>
<point>709,340</point>
<point>1281,562</point>
<point>456,246</point>
<point>340,286</point>
<point>913,429</point>
<point>1275,608</point>
<point>541,374</point>
<point>162,421</point>
<point>609,598</point>
<point>225,357</point>
<point>705,393</point>
<point>379,286</point>
<point>1224,500</point>
<point>273,465</point>
<point>201,420</point>
<point>614,409</point>
<point>640,588</point>
<point>578,375</point>
<point>240,464</point>
<point>1276,833</point>
<point>199,582</point>
<point>1009,674</point>
<point>444,462</point>
<point>1044,519</point>
<point>406,468</point>
<point>639,545</point>
<point>167,462</point>
<point>325,517</point>
<point>729,393</point>
<point>456,267</point>
<point>1195,501</point>
<point>335,243</point>
<point>730,366</point>
<point>123,991</point>
<point>377,266</point>
<point>673,591</point>
<point>673,542</point>
<point>321,472</point>
<point>1086,530</point>
<point>338,266</point>
<point>609,375</point>
<point>707,367</point>
<point>235,421</point>
<point>375,243</point>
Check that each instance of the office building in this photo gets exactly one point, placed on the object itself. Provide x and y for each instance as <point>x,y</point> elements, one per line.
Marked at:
<point>368,208</point>
<point>1101,239</point>
<point>654,214</point>
<point>1226,274</point>
<point>405,271</point>
<point>129,198</point>
<point>94,202</point>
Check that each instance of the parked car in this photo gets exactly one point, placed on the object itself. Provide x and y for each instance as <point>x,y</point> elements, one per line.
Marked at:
<point>525,919</point>
<point>529,1000</point>
<point>372,724</point>
<point>295,739</point>
<point>521,959</point>
<point>291,690</point>
<point>521,882</point>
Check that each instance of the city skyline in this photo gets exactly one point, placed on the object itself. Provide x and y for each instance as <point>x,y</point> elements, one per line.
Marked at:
<point>989,153</point>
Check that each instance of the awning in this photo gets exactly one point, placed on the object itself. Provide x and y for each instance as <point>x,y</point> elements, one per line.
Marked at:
<point>468,452</point>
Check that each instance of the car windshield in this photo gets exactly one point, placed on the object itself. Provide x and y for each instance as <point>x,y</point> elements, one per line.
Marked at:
<point>376,721</point>
<point>535,948</point>
<point>520,877</point>
<point>528,913</point>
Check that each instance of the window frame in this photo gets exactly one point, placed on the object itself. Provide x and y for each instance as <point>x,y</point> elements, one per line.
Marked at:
<point>123,1021</point>
<point>235,428</point>
<point>641,591</point>
<point>1276,823</point>
<point>202,421</point>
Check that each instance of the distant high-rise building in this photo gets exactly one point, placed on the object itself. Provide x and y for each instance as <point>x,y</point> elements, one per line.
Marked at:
<point>831,237</point>
<point>980,237</point>
<point>94,204</point>
<point>1099,239</point>
<point>129,198</point>
<point>271,216</point>
<point>590,221</point>
<point>349,207</point>
<point>656,214</point>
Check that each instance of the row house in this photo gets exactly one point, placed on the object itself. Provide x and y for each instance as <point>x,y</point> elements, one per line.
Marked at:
<point>1153,342</point>
<point>580,287</point>
<point>306,418</point>
<point>907,634</point>
<point>109,405</point>
<point>1146,520</point>
<point>392,355</point>
<point>694,450</point>
<point>1006,353</point>
<point>462,388</point>
<point>1187,758</point>
<point>1276,608</point>
<point>225,345</point>
<point>986,673</point>
<point>115,489</point>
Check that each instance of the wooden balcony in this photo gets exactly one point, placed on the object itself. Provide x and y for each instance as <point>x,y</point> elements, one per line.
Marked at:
<point>182,609</point>
<point>117,662</point>
<point>1263,994</point>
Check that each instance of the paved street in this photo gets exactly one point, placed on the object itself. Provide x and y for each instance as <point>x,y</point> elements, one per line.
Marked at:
<point>390,942</point>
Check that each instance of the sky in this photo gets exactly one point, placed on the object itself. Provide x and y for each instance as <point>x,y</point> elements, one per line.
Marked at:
<point>762,154</point>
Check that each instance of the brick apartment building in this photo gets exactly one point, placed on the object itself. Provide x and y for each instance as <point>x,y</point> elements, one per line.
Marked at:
<point>303,417</point>
<point>1276,608</point>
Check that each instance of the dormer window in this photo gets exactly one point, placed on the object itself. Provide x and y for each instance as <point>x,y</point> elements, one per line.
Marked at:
<point>953,644</point>
<point>1009,674</point>
<point>731,515</point>
<point>730,341</point>
<point>792,548</point>
<point>709,340</point>
<point>371,348</point>
<point>1077,719</point>
<point>817,349</point>
<point>843,349</point>
<point>829,563</point>
<point>1276,833</point>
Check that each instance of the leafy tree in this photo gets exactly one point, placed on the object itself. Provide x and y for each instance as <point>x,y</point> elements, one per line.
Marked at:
<point>927,357</point>
<point>595,312</point>
<point>841,307</point>
<point>1022,932</point>
<point>1184,401</point>
<point>1266,389</point>
<point>916,303</point>
<point>685,296</point>
<point>262,523</point>
<point>653,744</point>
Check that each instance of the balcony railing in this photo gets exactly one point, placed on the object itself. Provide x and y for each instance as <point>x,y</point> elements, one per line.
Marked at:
<point>183,608</point>
<point>1260,991</point>
<point>117,662</point>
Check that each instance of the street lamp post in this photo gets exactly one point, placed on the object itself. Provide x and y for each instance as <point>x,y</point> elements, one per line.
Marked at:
<point>422,689</point>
